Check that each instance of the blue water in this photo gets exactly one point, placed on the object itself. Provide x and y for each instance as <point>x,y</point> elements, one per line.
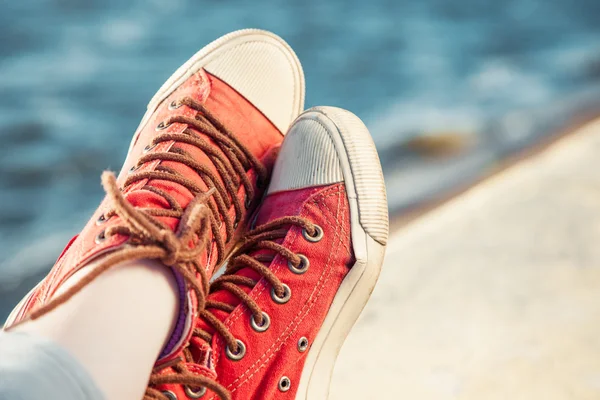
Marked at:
<point>76,76</point>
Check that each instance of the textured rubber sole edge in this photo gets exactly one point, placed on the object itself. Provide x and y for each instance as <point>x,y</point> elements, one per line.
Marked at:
<point>204,56</point>
<point>362,173</point>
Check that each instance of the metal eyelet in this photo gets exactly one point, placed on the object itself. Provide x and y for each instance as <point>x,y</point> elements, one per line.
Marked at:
<point>149,147</point>
<point>194,394</point>
<point>302,267</point>
<point>101,237</point>
<point>313,238</point>
<point>284,384</point>
<point>174,105</point>
<point>240,353</point>
<point>162,126</point>
<point>133,168</point>
<point>286,295</point>
<point>170,395</point>
<point>265,324</point>
<point>302,344</point>
<point>101,219</point>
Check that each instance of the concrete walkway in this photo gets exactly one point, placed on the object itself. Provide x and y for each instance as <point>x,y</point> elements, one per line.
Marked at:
<point>494,295</point>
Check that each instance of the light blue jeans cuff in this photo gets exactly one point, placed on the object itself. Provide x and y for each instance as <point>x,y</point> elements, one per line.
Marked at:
<point>34,368</point>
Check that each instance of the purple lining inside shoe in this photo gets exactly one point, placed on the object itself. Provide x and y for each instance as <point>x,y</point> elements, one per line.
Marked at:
<point>180,326</point>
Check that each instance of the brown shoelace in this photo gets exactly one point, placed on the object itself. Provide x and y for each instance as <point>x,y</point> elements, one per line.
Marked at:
<point>262,238</point>
<point>230,157</point>
<point>149,238</point>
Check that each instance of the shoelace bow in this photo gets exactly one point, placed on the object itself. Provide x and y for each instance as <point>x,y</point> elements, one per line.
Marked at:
<point>151,239</point>
<point>262,238</point>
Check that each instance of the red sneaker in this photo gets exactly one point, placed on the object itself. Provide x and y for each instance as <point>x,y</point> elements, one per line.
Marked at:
<point>196,169</point>
<point>275,321</point>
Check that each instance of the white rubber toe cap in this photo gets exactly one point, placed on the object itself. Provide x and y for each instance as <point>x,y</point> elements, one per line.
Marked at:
<point>258,64</point>
<point>307,158</point>
<point>265,70</point>
<point>326,145</point>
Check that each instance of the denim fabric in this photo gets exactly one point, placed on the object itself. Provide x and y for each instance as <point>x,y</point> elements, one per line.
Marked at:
<point>34,368</point>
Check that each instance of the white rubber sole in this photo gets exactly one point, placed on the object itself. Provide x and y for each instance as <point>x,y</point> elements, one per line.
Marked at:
<point>216,49</point>
<point>369,225</point>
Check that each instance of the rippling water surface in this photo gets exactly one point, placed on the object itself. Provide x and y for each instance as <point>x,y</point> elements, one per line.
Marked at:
<point>75,78</point>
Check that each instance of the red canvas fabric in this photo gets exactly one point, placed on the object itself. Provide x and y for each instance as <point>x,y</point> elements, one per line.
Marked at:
<point>244,120</point>
<point>274,353</point>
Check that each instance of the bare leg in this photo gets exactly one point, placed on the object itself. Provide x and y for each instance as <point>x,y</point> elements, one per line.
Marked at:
<point>117,326</point>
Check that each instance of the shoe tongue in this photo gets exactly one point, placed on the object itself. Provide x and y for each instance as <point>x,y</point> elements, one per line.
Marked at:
<point>146,199</point>
<point>276,205</point>
<point>203,357</point>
